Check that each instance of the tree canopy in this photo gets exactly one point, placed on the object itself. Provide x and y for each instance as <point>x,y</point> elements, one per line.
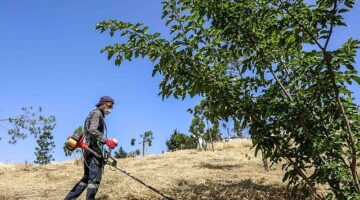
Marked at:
<point>269,66</point>
<point>32,122</point>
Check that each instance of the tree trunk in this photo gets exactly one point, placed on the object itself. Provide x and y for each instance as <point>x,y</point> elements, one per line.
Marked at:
<point>211,140</point>
<point>143,148</point>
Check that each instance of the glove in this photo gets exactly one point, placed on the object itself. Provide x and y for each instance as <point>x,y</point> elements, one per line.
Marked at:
<point>111,143</point>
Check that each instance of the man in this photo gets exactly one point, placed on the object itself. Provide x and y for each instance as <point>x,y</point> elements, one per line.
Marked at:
<point>94,137</point>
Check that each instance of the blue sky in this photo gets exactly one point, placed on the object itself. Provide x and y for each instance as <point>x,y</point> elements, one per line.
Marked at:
<point>49,57</point>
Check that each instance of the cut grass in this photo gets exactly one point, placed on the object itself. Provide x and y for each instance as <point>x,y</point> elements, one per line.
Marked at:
<point>226,173</point>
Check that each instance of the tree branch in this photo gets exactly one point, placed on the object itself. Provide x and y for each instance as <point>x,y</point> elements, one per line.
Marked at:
<point>351,140</point>
<point>305,178</point>
<point>332,24</point>
<point>304,29</point>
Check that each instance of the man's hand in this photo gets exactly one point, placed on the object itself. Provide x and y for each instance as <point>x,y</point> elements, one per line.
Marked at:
<point>111,143</point>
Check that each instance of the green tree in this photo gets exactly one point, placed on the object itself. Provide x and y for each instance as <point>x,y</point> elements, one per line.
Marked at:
<point>202,111</point>
<point>179,140</point>
<point>213,133</point>
<point>133,154</point>
<point>146,140</point>
<point>132,141</point>
<point>197,127</point>
<point>238,128</point>
<point>171,142</point>
<point>121,153</point>
<point>44,150</point>
<point>32,122</point>
<point>267,65</point>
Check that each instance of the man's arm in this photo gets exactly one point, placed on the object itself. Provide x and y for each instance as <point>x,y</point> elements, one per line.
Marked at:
<point>93,126</point>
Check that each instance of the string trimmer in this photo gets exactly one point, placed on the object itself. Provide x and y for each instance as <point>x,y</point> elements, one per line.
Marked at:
<point>77,141</point>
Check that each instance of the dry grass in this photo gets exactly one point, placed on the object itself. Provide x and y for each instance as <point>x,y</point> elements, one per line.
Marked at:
<point>231,172</point>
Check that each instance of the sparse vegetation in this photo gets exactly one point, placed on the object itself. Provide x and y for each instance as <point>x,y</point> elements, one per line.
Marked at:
<point>223,174</point>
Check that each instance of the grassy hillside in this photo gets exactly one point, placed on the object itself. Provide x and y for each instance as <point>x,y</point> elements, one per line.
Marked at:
<point>231,172</point>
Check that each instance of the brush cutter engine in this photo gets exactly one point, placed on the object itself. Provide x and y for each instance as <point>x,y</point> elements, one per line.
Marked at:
<point>76,140</point>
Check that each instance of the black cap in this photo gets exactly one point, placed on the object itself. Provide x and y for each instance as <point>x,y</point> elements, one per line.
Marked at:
<point>105,99</point>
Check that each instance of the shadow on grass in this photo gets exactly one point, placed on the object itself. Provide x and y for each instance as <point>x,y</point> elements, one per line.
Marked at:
<point>102,197</point>
<point>11,197</point>
<point>220,166</point>
<point>229,190</point>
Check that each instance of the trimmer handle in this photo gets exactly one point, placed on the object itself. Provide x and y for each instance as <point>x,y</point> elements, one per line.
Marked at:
<point>85,147</point>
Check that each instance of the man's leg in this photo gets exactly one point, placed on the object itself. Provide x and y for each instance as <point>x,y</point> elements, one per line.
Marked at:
<point>80,186</point>
<point>95,172</point>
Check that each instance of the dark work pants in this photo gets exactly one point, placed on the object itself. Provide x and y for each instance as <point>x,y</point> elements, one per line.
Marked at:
<point>93,168</point>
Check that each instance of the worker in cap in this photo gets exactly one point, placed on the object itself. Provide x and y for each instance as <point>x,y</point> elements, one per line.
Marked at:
<point>95,138</point>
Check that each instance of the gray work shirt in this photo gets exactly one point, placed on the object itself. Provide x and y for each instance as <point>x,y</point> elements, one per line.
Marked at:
<point>94,129</point>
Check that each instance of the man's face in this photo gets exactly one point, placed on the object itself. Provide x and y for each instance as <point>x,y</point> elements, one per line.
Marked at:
<point>107,107</point>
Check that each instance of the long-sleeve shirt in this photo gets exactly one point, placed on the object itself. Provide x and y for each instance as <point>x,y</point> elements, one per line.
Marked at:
<point>94,130</point>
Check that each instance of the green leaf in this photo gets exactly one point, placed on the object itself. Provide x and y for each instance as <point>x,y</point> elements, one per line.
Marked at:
<point>356,78</point>
<point>110,54</point>
<point>343,10</point>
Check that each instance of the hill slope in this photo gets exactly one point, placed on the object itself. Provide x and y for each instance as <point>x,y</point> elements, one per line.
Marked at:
<point>231,172</point>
